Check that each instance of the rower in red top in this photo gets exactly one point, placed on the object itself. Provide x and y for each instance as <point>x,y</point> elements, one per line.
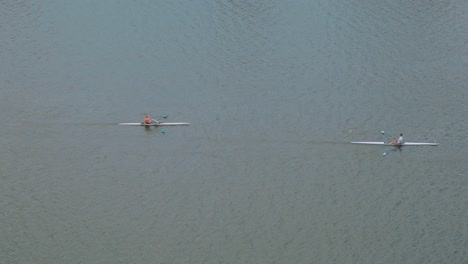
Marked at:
<point>147,120</point>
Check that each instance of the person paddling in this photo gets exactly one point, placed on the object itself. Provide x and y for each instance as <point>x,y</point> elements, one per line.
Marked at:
<point>147,120</point>
<point>397,141</point>
<point>400,139</point>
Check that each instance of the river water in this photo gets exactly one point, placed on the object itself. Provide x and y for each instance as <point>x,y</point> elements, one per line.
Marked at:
<point>274,91</point>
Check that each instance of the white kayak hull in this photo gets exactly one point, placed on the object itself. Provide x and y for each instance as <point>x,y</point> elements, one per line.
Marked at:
<point>157,124</point>
<point>404,144</point>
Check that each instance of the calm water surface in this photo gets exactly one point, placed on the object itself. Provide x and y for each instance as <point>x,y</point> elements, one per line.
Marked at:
<point>274,92</point>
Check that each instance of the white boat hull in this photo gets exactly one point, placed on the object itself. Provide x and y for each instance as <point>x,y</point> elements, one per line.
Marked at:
<point>396,145</point>
<point>157,124</point>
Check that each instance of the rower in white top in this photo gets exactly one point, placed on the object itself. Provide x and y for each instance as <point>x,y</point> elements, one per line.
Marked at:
<point>398,141</point>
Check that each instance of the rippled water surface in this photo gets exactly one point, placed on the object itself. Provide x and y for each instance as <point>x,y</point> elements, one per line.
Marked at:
<point>274,92</point>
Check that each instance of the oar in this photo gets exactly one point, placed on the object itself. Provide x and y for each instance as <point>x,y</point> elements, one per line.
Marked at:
<point>162,116</point>
<point>390,137</point>
<point>383,133</point>
<point>159,117</point>
<point>162,129</point>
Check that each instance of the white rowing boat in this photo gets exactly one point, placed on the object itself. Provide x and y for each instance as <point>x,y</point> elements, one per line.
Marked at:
<point>156,124</point>
<point>396,145</point>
